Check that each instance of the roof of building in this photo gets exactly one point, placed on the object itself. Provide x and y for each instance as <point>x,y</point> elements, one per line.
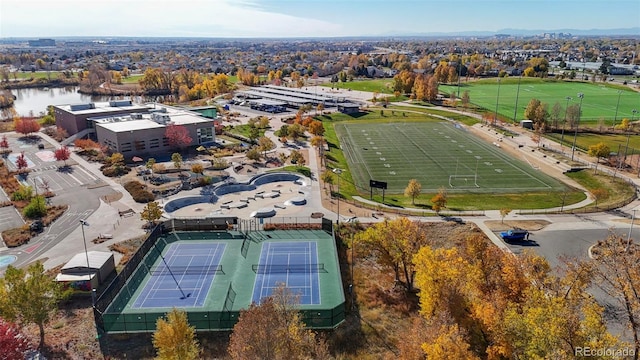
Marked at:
<point>158,117</point>
<point>103,107</point>
<point>79,261</point>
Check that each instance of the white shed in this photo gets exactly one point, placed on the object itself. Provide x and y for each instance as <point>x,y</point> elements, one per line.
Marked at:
<point>81,277</point>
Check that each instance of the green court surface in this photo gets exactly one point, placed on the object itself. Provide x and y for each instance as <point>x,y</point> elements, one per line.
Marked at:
<point>437,154</point>
<point>599,101</point>
<point>232,286</point>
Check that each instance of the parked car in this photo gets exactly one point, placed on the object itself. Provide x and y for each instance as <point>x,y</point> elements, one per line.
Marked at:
<point>36,226</point>
<point>515,235</point>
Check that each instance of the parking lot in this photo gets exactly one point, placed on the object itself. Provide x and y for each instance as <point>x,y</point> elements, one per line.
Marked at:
<point>9,218</point>
<point>58,179</point>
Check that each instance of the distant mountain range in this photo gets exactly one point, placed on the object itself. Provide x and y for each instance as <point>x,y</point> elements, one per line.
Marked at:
<point>634,31</point>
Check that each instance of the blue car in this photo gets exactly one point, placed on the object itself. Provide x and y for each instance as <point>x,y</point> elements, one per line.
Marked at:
<point>514,235</point>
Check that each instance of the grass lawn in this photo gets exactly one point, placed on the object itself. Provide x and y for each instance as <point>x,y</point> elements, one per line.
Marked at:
<point>382,86</point>
<point>35,75</point>
<point>133,79</point>
<point>430,150</point>
<point>616,190</point>
<point>599,100</point>
<point>243,130</point>
<point>614,141</point>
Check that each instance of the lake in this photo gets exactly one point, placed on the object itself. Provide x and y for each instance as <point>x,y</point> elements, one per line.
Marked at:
<point>35,101</point>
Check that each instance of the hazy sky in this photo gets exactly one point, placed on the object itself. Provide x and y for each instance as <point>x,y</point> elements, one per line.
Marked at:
<point>304,18</point>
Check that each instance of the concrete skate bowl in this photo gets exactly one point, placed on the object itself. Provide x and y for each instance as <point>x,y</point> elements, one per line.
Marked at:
<point>213,196</point>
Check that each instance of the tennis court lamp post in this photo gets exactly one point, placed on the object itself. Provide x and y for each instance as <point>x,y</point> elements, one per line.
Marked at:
<point>575,135</point>
<point>338,172</point>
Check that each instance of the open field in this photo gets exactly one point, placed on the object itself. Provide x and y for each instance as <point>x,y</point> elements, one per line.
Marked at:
<point>599,100</point>
<point>437,154</point>
<point>614,141</point>
<point>382,86</point>
<point>459,199</point>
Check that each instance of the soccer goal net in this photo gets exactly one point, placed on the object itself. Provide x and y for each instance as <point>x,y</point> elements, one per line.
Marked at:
<point>463,181</point>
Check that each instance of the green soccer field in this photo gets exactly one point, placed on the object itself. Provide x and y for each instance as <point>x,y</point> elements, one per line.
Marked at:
<point>437,154</point>
<point>599,101</point>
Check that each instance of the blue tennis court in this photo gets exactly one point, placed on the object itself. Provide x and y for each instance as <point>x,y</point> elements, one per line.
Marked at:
<point>292,264</point>
<point>184,278</point>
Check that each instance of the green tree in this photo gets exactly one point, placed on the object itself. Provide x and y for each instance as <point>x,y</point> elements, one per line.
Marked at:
<point>174,339</point>
<point>30,296</point>
<point>176,158</point>
<point>413,189</point>
<point>37,208</point>
<point>151,212</point>
<point>599,150</point>
<point>254,133</point>
<point>327,177</point>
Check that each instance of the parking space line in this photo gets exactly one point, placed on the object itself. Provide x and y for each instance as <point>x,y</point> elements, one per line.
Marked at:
<point>76,179</point>
<point>88,173</point>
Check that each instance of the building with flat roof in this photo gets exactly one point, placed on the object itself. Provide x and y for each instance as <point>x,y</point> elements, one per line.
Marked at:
<point>144,133</point>
<point>73,117</point>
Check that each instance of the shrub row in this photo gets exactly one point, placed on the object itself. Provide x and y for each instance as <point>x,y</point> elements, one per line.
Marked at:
<point>139,192</point>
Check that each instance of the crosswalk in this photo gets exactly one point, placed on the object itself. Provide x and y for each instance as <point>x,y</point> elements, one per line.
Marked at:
<point>45,168</point>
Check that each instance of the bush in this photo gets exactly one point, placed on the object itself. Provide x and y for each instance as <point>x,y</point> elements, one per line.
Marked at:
<point>23,193</point>
<point>115,171</point>
<point>139,192</point>
<point>36,208</point>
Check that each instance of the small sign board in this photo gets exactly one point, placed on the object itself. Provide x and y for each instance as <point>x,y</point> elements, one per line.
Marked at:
<point>378,184</point>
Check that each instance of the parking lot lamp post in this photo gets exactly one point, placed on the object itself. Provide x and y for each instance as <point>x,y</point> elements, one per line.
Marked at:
<point>338,172</point>
<point>575,135</point>
<point>84,223</point>
<point>564,122</point>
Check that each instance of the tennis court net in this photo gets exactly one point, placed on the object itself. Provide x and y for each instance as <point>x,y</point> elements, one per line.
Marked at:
<point>287,268</point>
<point>185,270</point>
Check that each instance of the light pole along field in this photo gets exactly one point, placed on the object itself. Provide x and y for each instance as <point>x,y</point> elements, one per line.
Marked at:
<point>601,100</point>
<point>396,145</point>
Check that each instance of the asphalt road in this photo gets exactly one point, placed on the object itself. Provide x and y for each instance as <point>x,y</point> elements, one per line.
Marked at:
<point>570,237</point>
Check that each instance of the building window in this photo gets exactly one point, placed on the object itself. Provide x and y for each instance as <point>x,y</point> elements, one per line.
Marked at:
<point>165,142</point>
<point>140,145</point>
<point>154,143</point>
<point>125,147</point>
<point>205,135</point>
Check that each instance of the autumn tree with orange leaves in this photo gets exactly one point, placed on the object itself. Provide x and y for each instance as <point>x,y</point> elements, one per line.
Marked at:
<point>481,302</point>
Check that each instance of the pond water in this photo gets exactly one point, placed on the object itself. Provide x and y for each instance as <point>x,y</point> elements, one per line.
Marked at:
<point>35,101</point>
